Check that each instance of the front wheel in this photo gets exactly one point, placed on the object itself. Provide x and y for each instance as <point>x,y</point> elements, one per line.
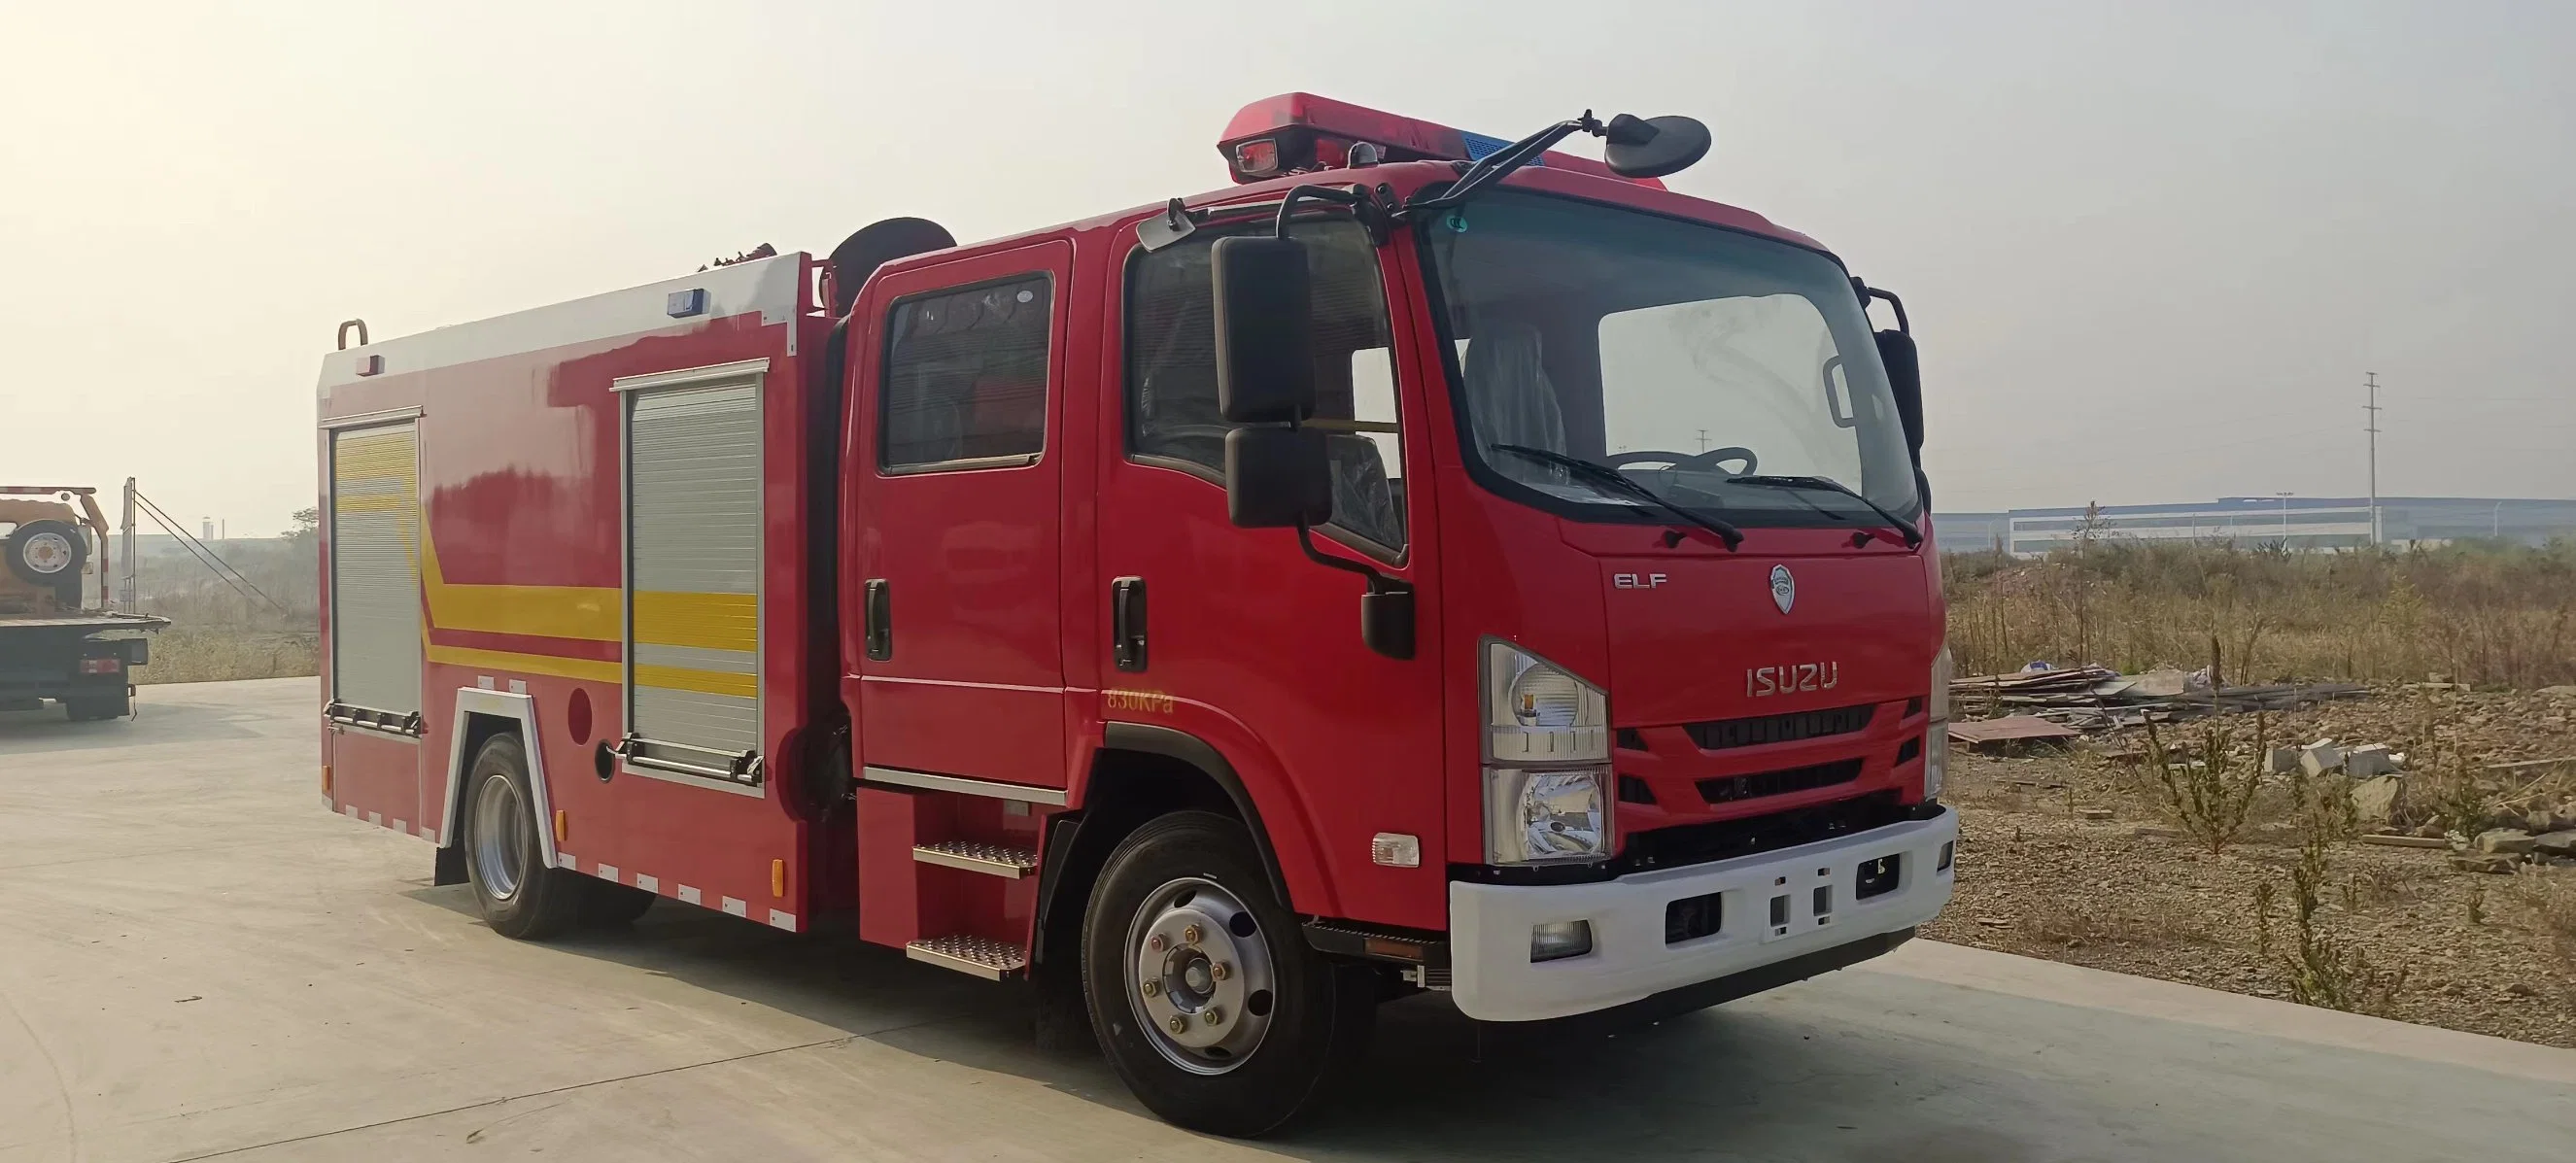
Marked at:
<point>1202,989</point>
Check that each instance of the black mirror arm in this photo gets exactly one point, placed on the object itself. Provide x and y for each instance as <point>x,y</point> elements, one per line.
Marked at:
<point>1499,164</point>
<point>1362,201</point>
<point>1868,293</point>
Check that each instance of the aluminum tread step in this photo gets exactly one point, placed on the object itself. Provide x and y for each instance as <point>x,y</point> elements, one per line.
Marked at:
<point>982,956</point>
<point>976,856</point>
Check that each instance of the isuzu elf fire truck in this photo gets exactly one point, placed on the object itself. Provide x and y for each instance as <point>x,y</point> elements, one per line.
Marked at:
<point>1427,563</point>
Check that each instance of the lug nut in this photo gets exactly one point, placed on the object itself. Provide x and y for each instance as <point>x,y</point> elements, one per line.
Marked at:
<point>1180,1025</point>
<point>1220,970</point>
<point>1214,1016</point>
<point>1151,988</point>
<point>1191,935</point>
<point>1155,943</point>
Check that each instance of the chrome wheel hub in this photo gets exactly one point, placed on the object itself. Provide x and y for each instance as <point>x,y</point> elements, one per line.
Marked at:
<point>1200,976</point>
<point>500,837</point>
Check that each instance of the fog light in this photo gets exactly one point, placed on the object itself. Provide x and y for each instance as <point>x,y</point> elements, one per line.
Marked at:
<point>1558,940</point>
<point>1948,848</point>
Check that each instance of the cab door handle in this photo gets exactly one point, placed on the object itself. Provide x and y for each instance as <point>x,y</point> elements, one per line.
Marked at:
<point>878,620</point>
<point>1127,622</point>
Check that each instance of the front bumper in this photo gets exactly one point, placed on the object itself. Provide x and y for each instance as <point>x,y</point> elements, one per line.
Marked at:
<point>1493,978</point>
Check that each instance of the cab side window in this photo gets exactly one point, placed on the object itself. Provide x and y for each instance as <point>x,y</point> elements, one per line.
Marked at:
<point>966,378</point>
<point>1172,417</point>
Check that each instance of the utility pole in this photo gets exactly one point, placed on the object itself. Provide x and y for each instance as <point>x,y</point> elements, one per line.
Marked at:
<point>131,605</point>
<point>2371,411</point>
<point>1703,440</point>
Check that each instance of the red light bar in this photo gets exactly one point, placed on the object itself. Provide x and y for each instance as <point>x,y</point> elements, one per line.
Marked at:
<point>1311,132</point>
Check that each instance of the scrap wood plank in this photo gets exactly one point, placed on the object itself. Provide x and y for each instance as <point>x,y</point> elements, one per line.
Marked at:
<point>2009,729</point>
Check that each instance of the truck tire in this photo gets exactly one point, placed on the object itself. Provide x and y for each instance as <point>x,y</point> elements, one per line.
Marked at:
<point>1183,931</point>
<point>521,897</point>
<point>83,710</point>
<point>46,553</point>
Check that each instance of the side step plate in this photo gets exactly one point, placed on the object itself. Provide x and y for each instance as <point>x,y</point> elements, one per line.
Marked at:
<point>982,956</point>
<point>974,856</point>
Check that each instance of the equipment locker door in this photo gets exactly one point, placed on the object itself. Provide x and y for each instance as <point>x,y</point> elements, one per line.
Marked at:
<point>958,465</point>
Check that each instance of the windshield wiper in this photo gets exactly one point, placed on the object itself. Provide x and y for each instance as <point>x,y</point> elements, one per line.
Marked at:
<point>1913,536</point>
<point>1617,481</point>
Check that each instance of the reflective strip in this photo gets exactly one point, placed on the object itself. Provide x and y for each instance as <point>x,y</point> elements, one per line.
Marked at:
<point>736,908</point>
<point>688,894</point>
<point>706,621</point>
<point>781,920</point>
<point>647,883</point>
<point>375,568</point>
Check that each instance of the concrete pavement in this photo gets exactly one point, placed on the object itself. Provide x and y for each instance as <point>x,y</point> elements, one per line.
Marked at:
<point>199,960</point>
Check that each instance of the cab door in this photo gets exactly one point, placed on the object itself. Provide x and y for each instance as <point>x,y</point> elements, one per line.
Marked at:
<point>957,458</point>
<point>1232,635</point>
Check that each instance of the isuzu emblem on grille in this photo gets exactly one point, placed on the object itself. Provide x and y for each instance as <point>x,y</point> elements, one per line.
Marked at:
<point>1784,588</point>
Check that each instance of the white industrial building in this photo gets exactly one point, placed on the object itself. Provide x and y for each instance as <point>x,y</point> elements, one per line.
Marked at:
<point>2301,523</point>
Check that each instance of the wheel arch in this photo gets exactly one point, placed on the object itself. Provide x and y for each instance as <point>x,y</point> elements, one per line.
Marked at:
<point>480,715</point>
<point>1140,772</point>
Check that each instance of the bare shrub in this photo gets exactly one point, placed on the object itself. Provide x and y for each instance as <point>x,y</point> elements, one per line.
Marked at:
<point>2211,797</point>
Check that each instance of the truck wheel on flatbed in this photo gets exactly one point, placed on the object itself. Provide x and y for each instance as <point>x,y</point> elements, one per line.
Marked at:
<point>1202,989</point>
<point>99,707</point>
<point>46,552</point>
<point>521,897</point>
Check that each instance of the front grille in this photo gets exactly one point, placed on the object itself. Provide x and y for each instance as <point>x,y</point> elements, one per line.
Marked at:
<point>1726,839</point>
<point>1722,734</point>
<point>1738,788</point>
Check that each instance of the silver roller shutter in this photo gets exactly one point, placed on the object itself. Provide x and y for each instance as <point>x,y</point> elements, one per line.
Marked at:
<point>375,569</point>
<point>693,571</point>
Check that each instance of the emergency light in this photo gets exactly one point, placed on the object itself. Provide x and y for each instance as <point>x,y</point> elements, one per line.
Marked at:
<point>1301,131</point>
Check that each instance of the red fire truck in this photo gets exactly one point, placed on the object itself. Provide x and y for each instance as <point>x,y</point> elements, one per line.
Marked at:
<point>1429,563</point>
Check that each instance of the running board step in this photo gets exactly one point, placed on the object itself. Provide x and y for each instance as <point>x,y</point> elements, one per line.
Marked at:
<point>982,956</point>
<point>976,856</point>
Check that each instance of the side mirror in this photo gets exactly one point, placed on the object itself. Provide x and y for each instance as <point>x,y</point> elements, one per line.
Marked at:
<point>1265,360</point>
<point>1653,147</point>
<point>1277,478</point>
<point>1905,381</point>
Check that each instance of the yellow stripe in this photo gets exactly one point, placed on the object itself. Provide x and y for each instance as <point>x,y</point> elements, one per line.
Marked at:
<point>347,503</point>
<point>707,621</point>
<point>588,613</point>
<point>585,669</point>
<point>703,681</point>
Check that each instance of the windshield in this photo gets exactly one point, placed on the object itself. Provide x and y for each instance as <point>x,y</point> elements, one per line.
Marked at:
<point>1687,356</point>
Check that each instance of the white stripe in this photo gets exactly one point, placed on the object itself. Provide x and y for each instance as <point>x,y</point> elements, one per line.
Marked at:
<point>376,818</point>
<point>399,826</point>
<point>428,833</point>
<point>647,883</point>
<point>781,920</point>
<point>567,860</point>
<point>518,686</point>
<point>608,872</point>
<point>689,895</point>
<point>484,681</point>
<point>770,286</point>
<point>737,908</point>
<point>349,810</point>
<point>981,686</point>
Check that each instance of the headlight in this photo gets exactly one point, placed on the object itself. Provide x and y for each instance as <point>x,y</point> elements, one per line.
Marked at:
<point>1547,745</point>
<point>1537,816</point>
<point>1936,736</point>
<point>1536,712</point>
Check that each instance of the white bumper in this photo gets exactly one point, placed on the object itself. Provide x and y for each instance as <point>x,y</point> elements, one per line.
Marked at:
<point>1489,924</point>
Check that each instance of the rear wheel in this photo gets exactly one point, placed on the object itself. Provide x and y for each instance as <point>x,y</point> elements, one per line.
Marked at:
<point>521,897</point>
<point>99,707</point>
<point>607,905</point>
<point>1203,991</point>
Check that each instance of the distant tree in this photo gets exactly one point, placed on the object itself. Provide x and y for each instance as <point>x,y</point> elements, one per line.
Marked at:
<point>307,521</point>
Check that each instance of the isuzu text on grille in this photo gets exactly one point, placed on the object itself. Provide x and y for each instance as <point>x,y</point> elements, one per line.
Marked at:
<point>1791,678</point>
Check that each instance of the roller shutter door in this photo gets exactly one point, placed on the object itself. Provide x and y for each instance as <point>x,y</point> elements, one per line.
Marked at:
<point>693,574</point>
<point>375,569</point>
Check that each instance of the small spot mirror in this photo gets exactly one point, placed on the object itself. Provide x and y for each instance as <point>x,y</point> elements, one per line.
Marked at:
<point>1655,146</point>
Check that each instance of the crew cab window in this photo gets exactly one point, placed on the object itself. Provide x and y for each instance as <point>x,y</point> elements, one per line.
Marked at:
<point>965,378</point>
<point>1172,417</point>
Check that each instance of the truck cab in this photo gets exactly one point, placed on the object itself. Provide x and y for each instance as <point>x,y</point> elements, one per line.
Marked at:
<point>1540,578</point>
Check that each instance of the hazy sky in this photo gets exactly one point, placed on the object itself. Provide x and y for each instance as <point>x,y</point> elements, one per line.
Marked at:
<point>2149,249</point>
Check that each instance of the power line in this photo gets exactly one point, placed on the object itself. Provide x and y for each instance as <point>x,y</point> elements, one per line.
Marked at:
<point>2371,426</point>
<point>205,555</point>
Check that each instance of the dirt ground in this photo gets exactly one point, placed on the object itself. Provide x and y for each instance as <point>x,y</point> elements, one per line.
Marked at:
<point>2074,856</point>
